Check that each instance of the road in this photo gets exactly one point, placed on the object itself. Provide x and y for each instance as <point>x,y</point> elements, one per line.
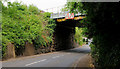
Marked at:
<point>63,59</point>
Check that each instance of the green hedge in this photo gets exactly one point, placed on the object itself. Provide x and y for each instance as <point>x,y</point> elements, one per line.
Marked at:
<point>21,23</point>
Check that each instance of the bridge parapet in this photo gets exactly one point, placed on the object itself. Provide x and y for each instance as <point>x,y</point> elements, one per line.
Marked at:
<point>59,12</point>
<point>62,15</point>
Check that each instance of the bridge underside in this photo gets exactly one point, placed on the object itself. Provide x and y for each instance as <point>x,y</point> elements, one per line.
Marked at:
<point>64,34</point>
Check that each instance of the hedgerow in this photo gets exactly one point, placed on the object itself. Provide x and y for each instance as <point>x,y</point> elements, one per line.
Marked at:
<point>21,23</point>
<point>102,22</point>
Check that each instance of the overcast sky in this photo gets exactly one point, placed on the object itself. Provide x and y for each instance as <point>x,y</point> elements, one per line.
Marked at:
<point>44,4</point>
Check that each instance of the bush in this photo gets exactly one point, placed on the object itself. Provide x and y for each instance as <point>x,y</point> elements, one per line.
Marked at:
<point>22,24</point>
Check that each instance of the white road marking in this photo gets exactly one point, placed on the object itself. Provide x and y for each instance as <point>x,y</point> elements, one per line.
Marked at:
<point>36,62</point>
<point>56,57</point>
<point>42,60</point>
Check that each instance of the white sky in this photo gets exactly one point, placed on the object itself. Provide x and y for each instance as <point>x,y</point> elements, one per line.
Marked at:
<point>44,4</point>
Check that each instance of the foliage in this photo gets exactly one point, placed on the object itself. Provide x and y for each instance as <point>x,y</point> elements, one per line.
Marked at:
<point>78,35</point>
<point>103,26</point>
<point>47,31</point>
<point>75,7</point>
<point>22,24</point>
<point>85,32</point>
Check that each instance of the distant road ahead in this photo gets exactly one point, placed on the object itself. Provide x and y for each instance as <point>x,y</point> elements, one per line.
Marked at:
<point>65,59</point>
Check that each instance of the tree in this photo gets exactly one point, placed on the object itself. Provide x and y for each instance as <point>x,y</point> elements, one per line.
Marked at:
<point>103,26</point>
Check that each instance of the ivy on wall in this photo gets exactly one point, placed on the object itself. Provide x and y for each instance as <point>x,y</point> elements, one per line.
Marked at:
<point>21,23</point>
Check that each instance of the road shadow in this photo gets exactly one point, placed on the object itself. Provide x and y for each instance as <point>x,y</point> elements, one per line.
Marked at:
<point>84,49</point>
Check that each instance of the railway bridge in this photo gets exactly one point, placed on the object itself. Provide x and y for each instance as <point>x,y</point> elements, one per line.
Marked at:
<point>65,28</point>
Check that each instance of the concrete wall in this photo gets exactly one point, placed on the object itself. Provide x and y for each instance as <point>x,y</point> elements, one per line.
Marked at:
<point>29,49</point>
<point>10,51</point>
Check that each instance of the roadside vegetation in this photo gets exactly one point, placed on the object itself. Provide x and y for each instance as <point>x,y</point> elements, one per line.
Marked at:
<point>21,24</point>
<point>79,34</point>
<point>102,22</point>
